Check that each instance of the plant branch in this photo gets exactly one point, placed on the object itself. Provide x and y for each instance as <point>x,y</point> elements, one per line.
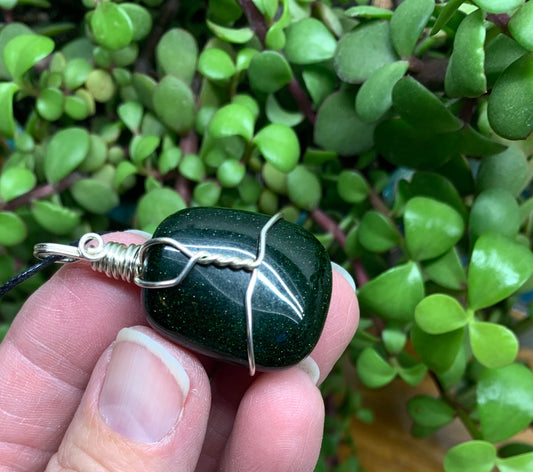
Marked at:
<point>38,193</point>
<point>501,20</point>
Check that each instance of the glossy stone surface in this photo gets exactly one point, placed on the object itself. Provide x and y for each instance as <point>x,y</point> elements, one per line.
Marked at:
<point>206,312</point>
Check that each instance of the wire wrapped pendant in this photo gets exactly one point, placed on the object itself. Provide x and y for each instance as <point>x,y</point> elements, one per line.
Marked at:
<point>234,285</point>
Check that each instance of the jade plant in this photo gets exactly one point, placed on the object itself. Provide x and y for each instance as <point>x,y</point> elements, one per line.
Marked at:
<point>401,136</point>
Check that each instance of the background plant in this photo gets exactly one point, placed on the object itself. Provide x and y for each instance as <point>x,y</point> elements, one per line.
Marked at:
<point>400,135</point>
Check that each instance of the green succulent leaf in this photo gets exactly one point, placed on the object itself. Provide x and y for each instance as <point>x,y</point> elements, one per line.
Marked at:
<point>430,411</point>
<point>432,228</point>
<point>440,313</point>
<point>12,229</point>
<point>495,210</point>
<point>142,146</point>
<point>500,53</point>
<point>16,181</point>
<point>506,170</point>
<point>192,167</point>
<point>363,51</point>
<point>369,11</point>
<point>498,6</point>
<point>520,26</point>
<point>339,128</point>
<point>377,233</point>
<point>374,97</point>
<point>94,195</point>
<point>279,145</point>
<point>304,188</point>
<point>437,351</point>
<point>352,186</point>
<point>230,173</point>
<point>422,108</point>
<point>269,71</point>
<point>504,401</point>
<point>232,120</point>
<point>231,35</point>
<point>131,113</point>
<point>156,205</point>
<point>76,72</point>
<point>320,82</point>
<point>309,41</point>
<point>510,106</point>
<point>517,463</point>
<point>140,18</point>
<point>54,217</point>
<point>493,345</point>
<point>207,193</point>
<point>407,24</point>
<point>465,76</point>
<point>373,370</point>
<point>216,64</point>
<point>276,114</point>
<point>111,26</point>
<point>174,104</point>
<point>7,119</point>
<point>65,152</point>
<point>177,53</point>
<point>498,268</point>
<point>446,270</point>
<point>471,456</point>
<point>395,293</point>
<point>125,170</point>
<point>24,51</point>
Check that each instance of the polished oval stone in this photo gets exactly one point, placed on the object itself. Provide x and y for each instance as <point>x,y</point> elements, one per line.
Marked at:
<point>206,311</point>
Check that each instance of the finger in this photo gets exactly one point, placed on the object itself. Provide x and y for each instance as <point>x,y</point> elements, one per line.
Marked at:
<point>229,383</point>
<point>278,426</point>
<point>341,324</point>
<point>48,355</point>
<point>145,409</point>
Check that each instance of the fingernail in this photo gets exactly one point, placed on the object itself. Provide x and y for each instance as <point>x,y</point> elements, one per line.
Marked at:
<point>138,232</point>
<point>341,270</point>
<point>144,389</point>
<point>310,367</point>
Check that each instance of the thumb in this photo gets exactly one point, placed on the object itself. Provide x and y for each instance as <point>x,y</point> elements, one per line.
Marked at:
<point>144,409</point>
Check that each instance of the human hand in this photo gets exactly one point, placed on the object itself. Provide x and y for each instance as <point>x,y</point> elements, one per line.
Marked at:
<point>73,396</point>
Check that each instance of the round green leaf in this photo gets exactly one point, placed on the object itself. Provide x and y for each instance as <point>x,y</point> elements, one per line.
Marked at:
<point>338,127</point>
<point>493,345</point>
<point>76,72</point>
<point>373,370</point>
<point>123,174</point>
<point>230,173</point>
<point>437,351</point>
<point>156,205</point>
<point>12,229</point>
<point>422,108</point>
<point>16,181</point>
<point>192,167</point>
<point>500,53</point>
<point>504,401</point>
<point>374,97</point>
<point>174,104</point>
<point>279,145</point>
<point>140,18</point>
<point>495,210</point>
<point>377,233</point>
<point>506,170</point>
<point>517,463</point>
<point>498,6</point>
<point>520,26</point>
<point>55,218</point>
<point>363,51</point>
<point>274,178</point>
<point>440,313</point>
<point>431,228</point>
<point>101,85</point>
<point>216,64</point>
<point>232,120</point>
<point>498,268</point>
<point>94,195</point>
<point>24,51</point>
<point>352,186</point>
<point>169,159</point>
<point>394,340</point>
<point>276,114</point>
<point>472,456</point>
<point>369,11</point>
<point>7,120</point>
<point>510,106</point>
<point>65,152</point>
<point>465,76</point>
<point>207,193</point>
<point>176,54</point>
<point>320,82</point>
<point>395,293</point>
<point>7,33</point>
<point>430,411</point>
<point>250,189</point>
<point>142,146</point>
<point>407,24</point>
<point>269,71</point>
<point>131,114</point>
<point>231,35</point>
<point>446,270</point>
<point>76,108</point>
<point>111,26</point>
<point>304,188</point>
<point>309,41</point>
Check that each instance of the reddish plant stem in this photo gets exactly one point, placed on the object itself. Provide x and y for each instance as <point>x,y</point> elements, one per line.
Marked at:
<point>38,193</point>
<point>329,225</point>
<point>8,16</point>
<point>305,105</point>
<point>501,20</point>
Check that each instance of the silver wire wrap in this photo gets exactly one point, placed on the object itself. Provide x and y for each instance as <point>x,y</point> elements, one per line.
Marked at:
<point>126,263</point>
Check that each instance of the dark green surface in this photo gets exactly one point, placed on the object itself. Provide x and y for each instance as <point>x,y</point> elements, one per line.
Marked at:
<point>206,312</point>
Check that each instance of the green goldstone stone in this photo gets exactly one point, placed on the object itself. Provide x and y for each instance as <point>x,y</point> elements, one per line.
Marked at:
<point>206,311</point>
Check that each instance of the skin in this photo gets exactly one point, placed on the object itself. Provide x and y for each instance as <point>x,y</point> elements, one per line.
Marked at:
<point>53,363</point>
